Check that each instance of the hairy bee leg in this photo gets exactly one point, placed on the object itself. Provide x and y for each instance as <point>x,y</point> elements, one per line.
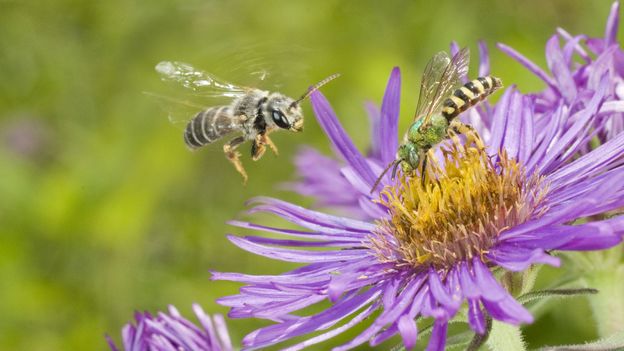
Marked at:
<point>453,136</point>
<point>258,148</point>
<point>269,142</point>
<point>466,129</point>
<point>234,156</point>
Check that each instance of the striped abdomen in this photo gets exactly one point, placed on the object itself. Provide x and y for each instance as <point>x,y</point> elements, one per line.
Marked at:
<point>469,95</point>
<point>208,126</point>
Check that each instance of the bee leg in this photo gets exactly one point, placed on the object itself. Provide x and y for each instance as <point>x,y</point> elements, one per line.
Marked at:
<point>466,129</point>
<point>258,147</point>
<point>269,142</point>
<point>234,156</point>
<point>423,170</point>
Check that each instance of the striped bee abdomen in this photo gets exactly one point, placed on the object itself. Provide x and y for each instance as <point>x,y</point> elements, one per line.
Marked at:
<point>469,95</point>
<point>208,126</point>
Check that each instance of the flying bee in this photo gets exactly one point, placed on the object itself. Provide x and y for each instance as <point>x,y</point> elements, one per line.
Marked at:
<point>437,110</point>
<point>252,112</point>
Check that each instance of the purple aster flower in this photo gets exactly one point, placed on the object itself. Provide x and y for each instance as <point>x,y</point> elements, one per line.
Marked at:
<point>425,249</point>
<point>171,331</point>
<point>576,69</point>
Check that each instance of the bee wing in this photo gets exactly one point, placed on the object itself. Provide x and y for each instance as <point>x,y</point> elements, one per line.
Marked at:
<point>180,110</point>
<point>440,77</point>
<point>202,83</point>
<point>204,90</point>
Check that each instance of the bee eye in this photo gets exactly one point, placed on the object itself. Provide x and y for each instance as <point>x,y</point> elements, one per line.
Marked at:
<point>280,119</point>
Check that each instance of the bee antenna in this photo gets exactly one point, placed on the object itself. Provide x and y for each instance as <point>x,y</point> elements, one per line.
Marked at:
<point>314,88</point>
<point>394,163</point>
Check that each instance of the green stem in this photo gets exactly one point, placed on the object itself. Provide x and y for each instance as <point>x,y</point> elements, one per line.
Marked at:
<point>505,337</point>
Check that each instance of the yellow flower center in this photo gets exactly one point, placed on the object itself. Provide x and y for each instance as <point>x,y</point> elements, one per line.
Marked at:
<point>459,210</point>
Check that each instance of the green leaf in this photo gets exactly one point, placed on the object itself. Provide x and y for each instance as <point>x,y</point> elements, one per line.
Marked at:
<point>460,340</point>
<point>614,342</point>
<point>479,340</point>
<point>608,305</point>
<point>505,337</point>
<point>528,278</point>
<point>555,293</point>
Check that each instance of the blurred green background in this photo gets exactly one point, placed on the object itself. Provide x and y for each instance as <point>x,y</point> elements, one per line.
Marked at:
<point>103,211</point>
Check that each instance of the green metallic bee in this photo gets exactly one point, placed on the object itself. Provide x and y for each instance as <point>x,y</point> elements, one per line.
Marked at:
<point>437,109</point>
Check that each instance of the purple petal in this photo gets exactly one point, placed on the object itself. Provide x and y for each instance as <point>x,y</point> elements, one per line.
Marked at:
<point>339,138</point>
<point>576,46</point>
<point>489,287</point>
<point>296,243</point>
<point>301,256</point>
<point>512,139</point>
<point>222,332</point>
<point>275,333</point>
<point>572,45</point>
<point>508,310</point>
<point>555,120</point>
<point>612,24</point>
<point>297,233</point>
<point>517,259</point>
<point>355,180</point>
<point>559,67</point>
<point>384,335</point>
<point>111,343</point>
<point>500,121</point>
<point>528,64</point>
<point>390,117</point>
<point>545,238</point>
<point>570,139</point>
<point>337,286</point>
<point>612,107</point>
<point>390,315</point>
<point>484,59</point>
<point>330,334</point>
<point>390,293</point>
<point>311,219</point>
<point>597,235</point>
<point>313,273</point>
<point>439,292</point>
<point>454,49</point>
<point>476,320</point>
<point>328,188</point>
<point>470,289</point>
<point>374,114</point>
<point>437,342</point>
<point>527,132</point>
<point>588,164</point>
<point>372,209</point>
<point>409,331</point>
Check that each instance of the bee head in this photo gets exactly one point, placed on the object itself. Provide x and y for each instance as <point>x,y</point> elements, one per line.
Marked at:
<point>285,114</point>
<point>408,157</point>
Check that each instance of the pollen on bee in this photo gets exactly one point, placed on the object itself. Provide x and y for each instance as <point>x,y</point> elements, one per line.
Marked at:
<point>467,199</point>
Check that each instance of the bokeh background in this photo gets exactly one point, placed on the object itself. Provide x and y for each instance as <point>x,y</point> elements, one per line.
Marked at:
<point>103,211</point>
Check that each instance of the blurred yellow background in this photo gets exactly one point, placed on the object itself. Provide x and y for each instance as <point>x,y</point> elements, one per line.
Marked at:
<point>103,211</point>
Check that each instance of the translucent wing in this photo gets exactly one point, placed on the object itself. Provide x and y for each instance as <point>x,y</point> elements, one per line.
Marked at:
<point>201,82</point>
<point>179,110</point>
<point>441,76</point>
<point>430,81</point>
<point>203,91</point>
